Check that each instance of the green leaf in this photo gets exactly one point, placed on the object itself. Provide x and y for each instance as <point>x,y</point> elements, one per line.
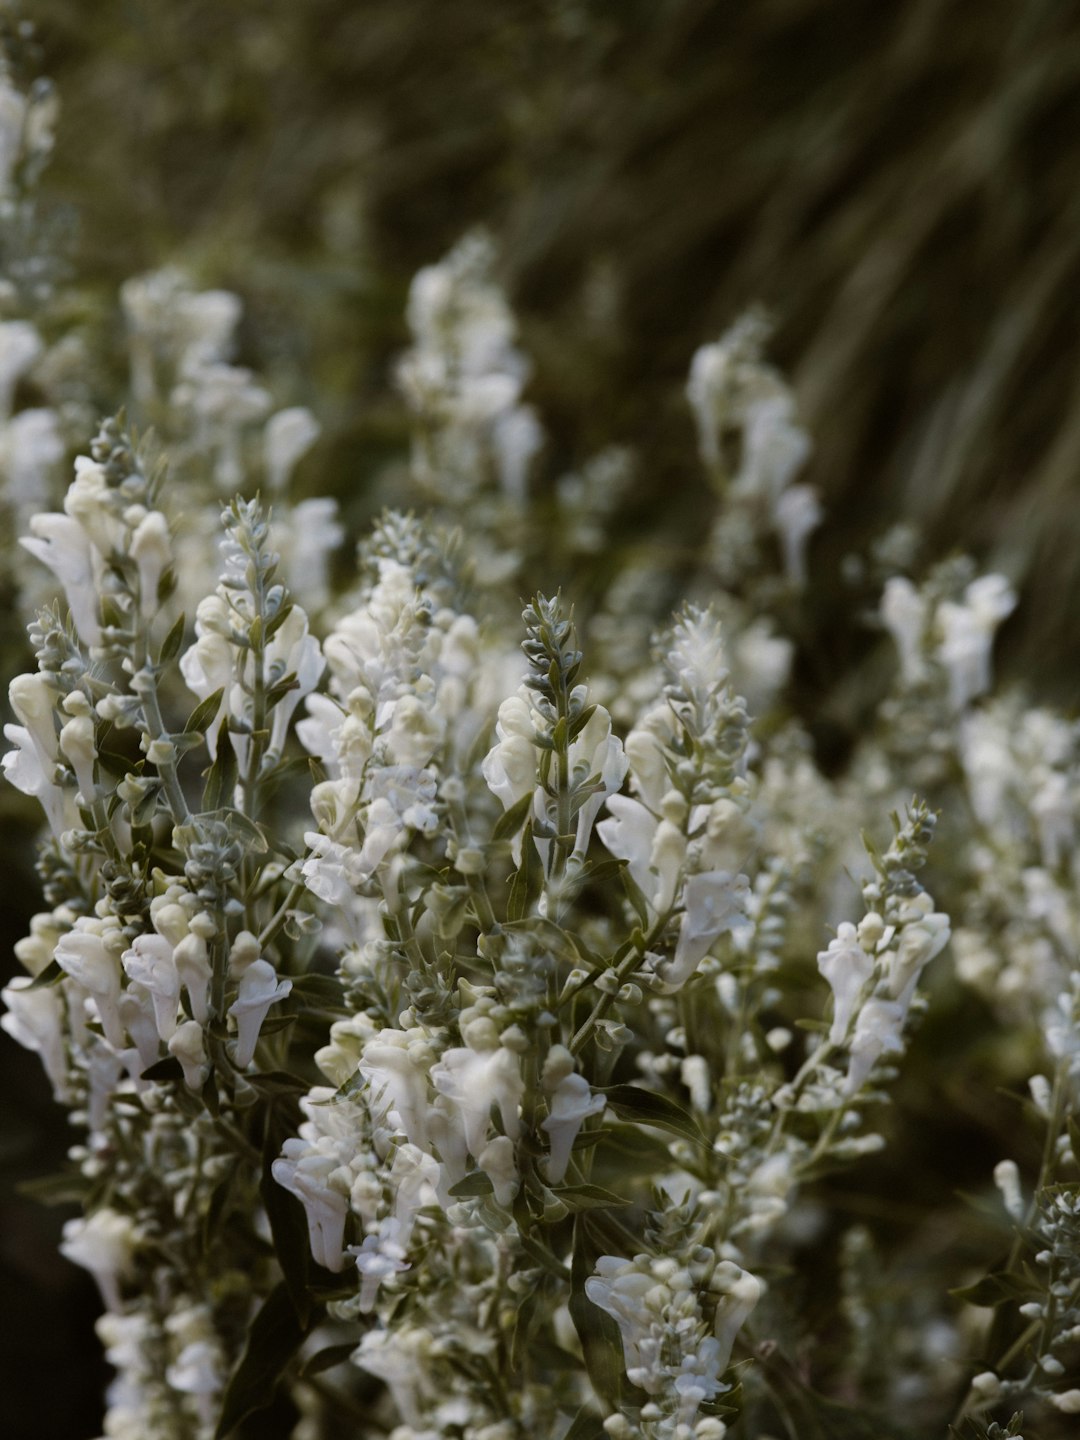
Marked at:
<point>51,975</point>
<point>318,992</point>
<point>66,1188</point>
<point>997,1289</point>
<point>578,724</point>
<point>543,1257</point>
<point>601,1344</point>
<point>328,1358</point>
<point>274,624</point>
<point>280,689</point>
<point>586,1425</point>
<point>588,1197</point>
<point>273,1339</point>
<point>288,1223</point>
<point>278,1082</point>
<point>528,879</point>
<point>203,713</point>
<point>635,895</point>
<point>648,1107</point>
<point>241,828</point>
<point>477,1183</point>
<point>222,775</point>
<point>170,646</point>
<point>509,823</point>
<point>167,1069</point>
<point>276,1023</point>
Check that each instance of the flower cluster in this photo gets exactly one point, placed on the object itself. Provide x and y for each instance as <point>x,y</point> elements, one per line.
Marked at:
<point>445,1023</point>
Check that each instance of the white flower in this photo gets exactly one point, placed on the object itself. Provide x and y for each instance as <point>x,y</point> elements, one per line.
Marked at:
<point>293,650</point>
<point>23,768</point>
<point>628,835</point>
<point>30,446</point>
<point>20,343</point>
<point>103,1243</point>
<point>82,954</point>
<point>473,1081</point>
<point>90,500</point>
<point>499,1164</point>
<point>150,963</point>
<point>311,532</point>
<point>35,1019</point>
<point>620,1287</point>
<point>905,613</point>
<point>414,1180</point>
<point>775,448</point>
<point>924,934</point>
<point>1007,1180</point>
<point>77,746</point>
<point>396,1070</point>
<point>415,733</point>
<point>570,1102</point>
<point>192,961</point>
<point>967,635</point>
<point>740,1292</point>
<point>715,903</point>
<point>596,752</point>
<point>305,1173</point>
<point>847,967</point>
<point>62,544</point>
<point>377,1260</point>
<point>152,553</point>
<point>289,435</point>
<point>877,1032</point>
<point>259,989</point>
<point>796,515</point>
<point>186,1043</point>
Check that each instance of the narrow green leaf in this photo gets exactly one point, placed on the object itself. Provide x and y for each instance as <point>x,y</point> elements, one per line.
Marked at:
<point>476,1183</point>
<point>586,1425</point>
<point>327,1359</point>
<point>278,1082</point>
<point>319,991</point>
<point>589,1197</point>
<point>543,1257</point>
<point>528,879</point>
<point>51,975</point>
<point>203,713</point>
<point>170,646</point>
<point>635,895</point>
<point>273,1339</point>
<point>509,823</point>
<point>648,1107</point>
<point>167,1069</point>
<point>280,689</point>
<point>222,775</point>
<point>578,724</point>
<point>996,1289</point>
<point>241,828</point>
<point>288,1223</point>
<point>66,1188</point>
<point>275,1024</point>
<point>601,1344</point>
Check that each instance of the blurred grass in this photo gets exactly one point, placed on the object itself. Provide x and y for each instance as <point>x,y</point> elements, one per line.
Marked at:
<point>897,184</point>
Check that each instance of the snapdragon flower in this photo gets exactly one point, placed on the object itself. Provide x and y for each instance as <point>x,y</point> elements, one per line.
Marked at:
<point>570,1103</point>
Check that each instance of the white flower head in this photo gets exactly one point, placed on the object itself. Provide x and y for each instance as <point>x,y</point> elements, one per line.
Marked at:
<point>570,1103</point>
<point>259,989</point>
<point>715,903</point>
<point>848,968</point>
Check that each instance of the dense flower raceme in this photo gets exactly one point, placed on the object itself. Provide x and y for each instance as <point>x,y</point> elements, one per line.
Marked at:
<point>372,951</point>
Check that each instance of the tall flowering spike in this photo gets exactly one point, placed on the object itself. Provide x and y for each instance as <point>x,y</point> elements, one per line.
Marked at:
<point>698,691</point>
<point>577,761</point>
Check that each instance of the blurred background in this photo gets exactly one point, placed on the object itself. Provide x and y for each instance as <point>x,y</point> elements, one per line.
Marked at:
<point>895,185</point>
